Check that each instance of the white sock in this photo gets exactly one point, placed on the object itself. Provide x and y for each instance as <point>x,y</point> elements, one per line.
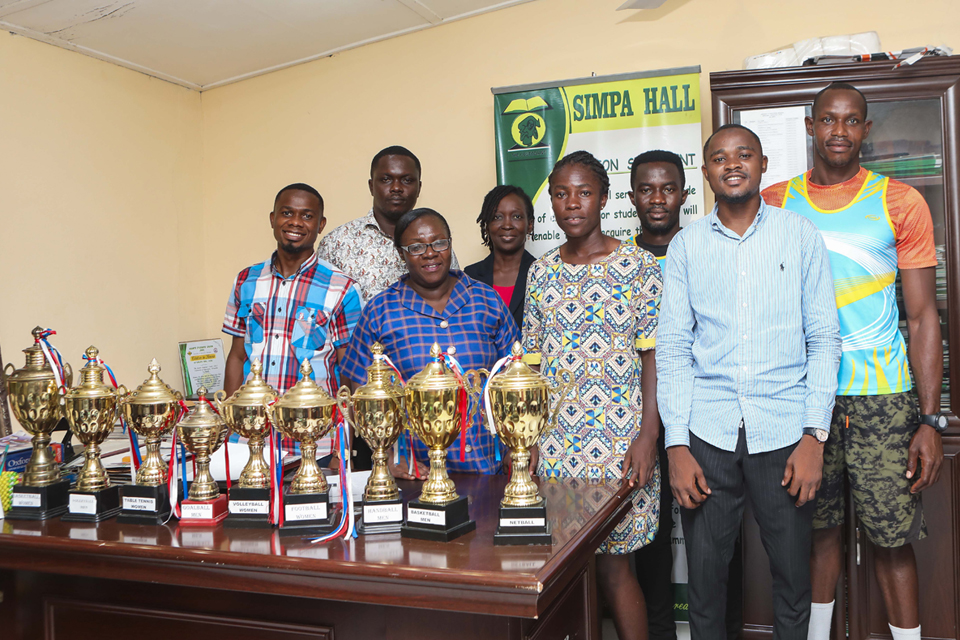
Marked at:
<point>821,615</point>
<point>904,634</point>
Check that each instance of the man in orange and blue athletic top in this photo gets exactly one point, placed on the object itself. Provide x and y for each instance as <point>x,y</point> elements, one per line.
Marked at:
<point>873,226</point>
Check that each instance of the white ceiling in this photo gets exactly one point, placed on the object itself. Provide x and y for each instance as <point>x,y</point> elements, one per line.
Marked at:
<point>201,44</point>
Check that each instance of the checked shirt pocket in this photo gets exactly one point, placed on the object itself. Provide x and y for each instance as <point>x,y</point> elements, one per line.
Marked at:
<point>253,315</point>
<point>310,329</point>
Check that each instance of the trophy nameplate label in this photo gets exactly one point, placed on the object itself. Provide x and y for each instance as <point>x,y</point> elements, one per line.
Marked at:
<point>85,504</point>
<point>196,511</point>
<point>257,507</point>
<point>383,513</point>
<point>523,522</point>
<point>307,511</point>
<point>426,516</point>
<point>27,500</point>
<point>139,504</point>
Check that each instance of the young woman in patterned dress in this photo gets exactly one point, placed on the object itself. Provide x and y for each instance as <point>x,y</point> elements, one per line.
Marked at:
<point>592,309</point>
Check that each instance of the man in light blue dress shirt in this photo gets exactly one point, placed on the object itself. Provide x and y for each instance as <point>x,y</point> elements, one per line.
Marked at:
<point>747,356</point>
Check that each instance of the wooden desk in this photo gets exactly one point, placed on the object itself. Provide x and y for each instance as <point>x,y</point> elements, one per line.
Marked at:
<point>71,580</point>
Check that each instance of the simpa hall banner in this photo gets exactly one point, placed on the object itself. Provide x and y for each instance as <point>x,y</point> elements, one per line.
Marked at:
<point>615,118</point>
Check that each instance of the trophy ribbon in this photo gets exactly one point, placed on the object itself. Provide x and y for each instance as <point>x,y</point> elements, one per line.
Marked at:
<point>173,468</point>
<point>488,405</point>
<point>226,445</point>
<point>458,372</point>
<point>53,357</point>
<point>135,459</point>
<point>412,461</point>
<point>343,446</point>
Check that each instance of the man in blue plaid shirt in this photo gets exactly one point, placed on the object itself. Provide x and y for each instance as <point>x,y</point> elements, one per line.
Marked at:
<point>292,307</point>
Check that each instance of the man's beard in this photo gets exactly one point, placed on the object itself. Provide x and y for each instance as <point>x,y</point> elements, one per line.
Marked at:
<point>735,200</point>
<point>660,226</point>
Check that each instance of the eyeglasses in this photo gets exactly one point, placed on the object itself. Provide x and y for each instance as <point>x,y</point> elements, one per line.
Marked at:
<point>419,248</point>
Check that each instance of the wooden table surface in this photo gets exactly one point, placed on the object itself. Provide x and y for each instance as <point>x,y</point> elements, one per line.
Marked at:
<point>469,574</point>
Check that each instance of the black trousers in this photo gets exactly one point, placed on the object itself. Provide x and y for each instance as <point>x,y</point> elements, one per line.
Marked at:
<point>711,530</point>
<point>654,562</point>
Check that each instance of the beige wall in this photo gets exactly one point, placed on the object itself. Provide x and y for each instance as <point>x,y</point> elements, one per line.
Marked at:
<point>100,208</point>
<point>129,204</point>
<point>430,91</point>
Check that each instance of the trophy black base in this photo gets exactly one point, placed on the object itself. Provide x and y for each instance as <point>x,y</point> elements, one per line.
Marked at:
<point>523,526</point>
<point>93,506</point>
<point>248,509</point>
<point>40,503</point>
<point>384,516</point>
<point>144,505</point>
<point>308,515</point>
<point>437,522</point>
<point>203,513</point>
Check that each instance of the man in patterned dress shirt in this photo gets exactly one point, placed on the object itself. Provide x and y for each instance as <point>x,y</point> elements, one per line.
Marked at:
<point>363,248</point>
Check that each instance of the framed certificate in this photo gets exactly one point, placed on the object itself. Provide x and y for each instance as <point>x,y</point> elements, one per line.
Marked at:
<point>202,363</point>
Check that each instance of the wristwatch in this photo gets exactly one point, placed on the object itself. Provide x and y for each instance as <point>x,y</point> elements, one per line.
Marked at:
<point>820,434</point>
<point>936,420</point>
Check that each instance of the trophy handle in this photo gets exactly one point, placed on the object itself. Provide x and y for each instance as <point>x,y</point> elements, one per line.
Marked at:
<point>221,395</point>
<point>562,390</point>
<point>67,374</point>
<point>122,392</point>
<point>10,366</point>
<point>473,380</point>
<point>343,402</point>
<point>264,401</point>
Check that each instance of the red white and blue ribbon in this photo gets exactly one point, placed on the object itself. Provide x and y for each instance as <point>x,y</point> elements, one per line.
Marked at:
<point>135,459</point>
<point>488,405</point>
<point>458,372</point>
<point>347,525</point>
<point>53,357</point>
<point>172,469</point>
<point>411,458</point>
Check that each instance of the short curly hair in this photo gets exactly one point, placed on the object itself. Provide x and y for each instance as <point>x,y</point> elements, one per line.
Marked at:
<point>584,159</point>
<point>492,200</point>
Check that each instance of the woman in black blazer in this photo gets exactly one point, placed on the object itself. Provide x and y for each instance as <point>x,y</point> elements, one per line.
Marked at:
<point>506,220</point>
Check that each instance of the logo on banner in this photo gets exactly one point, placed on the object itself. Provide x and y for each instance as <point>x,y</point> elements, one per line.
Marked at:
<point>528,128</point>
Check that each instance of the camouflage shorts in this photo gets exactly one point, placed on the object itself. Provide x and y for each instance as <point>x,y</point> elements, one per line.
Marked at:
<point>869,442</point>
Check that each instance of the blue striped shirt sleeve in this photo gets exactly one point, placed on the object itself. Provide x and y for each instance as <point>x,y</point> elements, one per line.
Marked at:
<point>675,348</point>
<point>821,329</point>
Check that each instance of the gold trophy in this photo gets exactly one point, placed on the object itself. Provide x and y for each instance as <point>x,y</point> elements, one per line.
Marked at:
<point>202,432</point>
<point>245,415</point>
<point>520,402</point>
<point>378,415</point>
<point>434,407</point>
<point>151,412</point>
<point>92,409</point>
<point>38,406</point>
<point>305,414</point>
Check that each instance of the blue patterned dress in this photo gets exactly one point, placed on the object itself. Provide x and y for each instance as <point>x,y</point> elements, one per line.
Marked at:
<point>593,320</point>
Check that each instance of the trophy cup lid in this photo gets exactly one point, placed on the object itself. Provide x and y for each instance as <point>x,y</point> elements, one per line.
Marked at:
<point>91,379</point>
<point>254,390</point>
<point>381,379</point>
<point>201,416</point>
<point>436,376</point>
<point>36,366</point>
<point>517,375</point>
<point>306,393</point>
<point>153,390</point>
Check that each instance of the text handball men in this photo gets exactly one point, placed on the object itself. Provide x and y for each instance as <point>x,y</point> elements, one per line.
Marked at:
<point>874,227</point>
<point>747,359</point>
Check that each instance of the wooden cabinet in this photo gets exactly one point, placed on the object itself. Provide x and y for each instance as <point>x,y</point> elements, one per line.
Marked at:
<point>916,139</point>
